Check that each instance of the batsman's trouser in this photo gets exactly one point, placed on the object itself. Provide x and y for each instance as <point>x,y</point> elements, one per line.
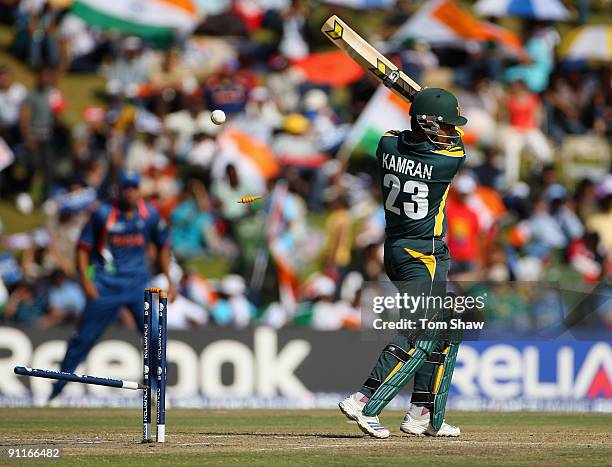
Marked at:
<point>412,262</point>
<point>113,293</point>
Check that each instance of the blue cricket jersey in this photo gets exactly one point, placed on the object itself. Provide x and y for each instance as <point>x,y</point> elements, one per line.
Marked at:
<point>118,244</point>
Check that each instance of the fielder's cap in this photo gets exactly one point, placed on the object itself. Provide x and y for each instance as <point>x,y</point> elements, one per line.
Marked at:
<point>129,178</point>
<point>438,103</point>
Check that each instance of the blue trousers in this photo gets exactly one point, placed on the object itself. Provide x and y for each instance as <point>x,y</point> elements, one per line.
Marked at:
<point>113,293</point>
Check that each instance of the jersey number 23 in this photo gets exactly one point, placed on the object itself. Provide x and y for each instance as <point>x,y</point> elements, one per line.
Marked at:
<point>418,206</point>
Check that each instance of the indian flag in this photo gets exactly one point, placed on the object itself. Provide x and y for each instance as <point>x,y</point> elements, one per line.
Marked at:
<point>385,111</point>
<point>444,23</point>
<point>154,20</point>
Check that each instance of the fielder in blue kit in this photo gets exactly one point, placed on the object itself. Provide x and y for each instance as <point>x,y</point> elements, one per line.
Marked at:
<point>112,264</point>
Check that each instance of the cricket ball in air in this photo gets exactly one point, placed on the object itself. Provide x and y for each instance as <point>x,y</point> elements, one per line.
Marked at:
<point>217,117</point>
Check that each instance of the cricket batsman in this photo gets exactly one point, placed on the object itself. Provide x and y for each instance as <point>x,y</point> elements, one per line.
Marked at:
<point>416,167</point>
<point>112,265</point>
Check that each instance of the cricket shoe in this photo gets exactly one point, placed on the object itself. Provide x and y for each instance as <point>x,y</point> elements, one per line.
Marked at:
<point>417,423</point>
<point>352,407</point>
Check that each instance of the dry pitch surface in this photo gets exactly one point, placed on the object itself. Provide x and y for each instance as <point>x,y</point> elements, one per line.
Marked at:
<point>313,437</point>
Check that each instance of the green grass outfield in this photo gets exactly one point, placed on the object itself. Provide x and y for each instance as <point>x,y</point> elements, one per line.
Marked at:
<point>296,437</point>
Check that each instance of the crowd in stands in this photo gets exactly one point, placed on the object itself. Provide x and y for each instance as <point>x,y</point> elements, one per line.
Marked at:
<point>524,207</point>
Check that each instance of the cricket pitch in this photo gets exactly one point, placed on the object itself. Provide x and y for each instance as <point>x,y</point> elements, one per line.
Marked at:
<point>305,437</point>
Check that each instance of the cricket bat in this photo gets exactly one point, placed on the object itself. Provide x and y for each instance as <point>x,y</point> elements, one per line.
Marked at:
<point>368,57</point>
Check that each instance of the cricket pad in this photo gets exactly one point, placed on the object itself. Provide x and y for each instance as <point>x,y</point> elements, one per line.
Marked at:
<point>398,378</point>
<point>439,402</point>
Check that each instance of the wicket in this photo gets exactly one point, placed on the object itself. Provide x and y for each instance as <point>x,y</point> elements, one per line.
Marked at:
<point>146,365</point>
<point>158,361</point>
<point>159,365</point>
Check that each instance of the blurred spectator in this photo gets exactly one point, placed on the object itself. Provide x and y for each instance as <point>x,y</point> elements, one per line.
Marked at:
<point>193,229</point>
<point>600,222</point>
<point>12,95</point>
<point>130,70</point>
<point>36,125</point>
<point>44,41</point>
<point>417,58</point>
<point>373,264</point>
<point>146,153</point>
<point>91,137</point>
<point>585,197</point>
<point>261,116</point>
<point>491,211</point>
<point>296,141</point>
<point>10,271</point>
<point>319,310</point>
<point>599,110</point>
<point>37,262</point>
<point>338,230</point>
<point>289,242</point>
<point>24,306</point>
<point>187,123</point>
<point>488,173</point>
<point>584,256</point>
<point>565,103</point>
<point>524,115</point>
<point>66,301</point>
<point>326,314</point>
<point>328,131</point>
<point>564,212</point>
<point>496,267</point>
<point>284,81</point>
<point>198,289</point>
<point>82,50</point>
<point>228,191</point>
<point>186,315</point>
<point>537,66</point>
<point>228,90</point>
<point>232,309</point>
<point>293,44</point>
<point>67,213</point>
<point>546,233</point>
<point>204,148</point>
<point>480,104</point>
<point>170,74</point>
<point>463,236</point>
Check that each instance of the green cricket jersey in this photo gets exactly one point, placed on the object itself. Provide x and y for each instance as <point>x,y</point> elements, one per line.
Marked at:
<point>415,178</point>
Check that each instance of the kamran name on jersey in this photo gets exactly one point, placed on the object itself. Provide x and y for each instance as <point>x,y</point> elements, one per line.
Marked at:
<point>406,166</point>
